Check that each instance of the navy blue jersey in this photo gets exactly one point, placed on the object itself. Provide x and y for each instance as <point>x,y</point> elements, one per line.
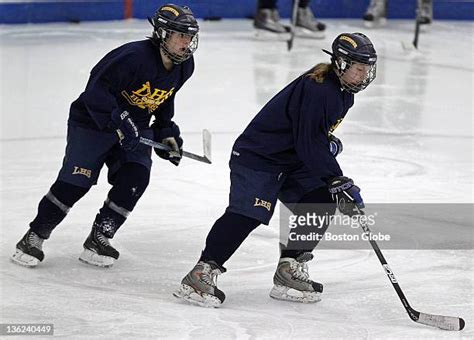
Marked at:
<point>292,129</point>
<point>132,77</point>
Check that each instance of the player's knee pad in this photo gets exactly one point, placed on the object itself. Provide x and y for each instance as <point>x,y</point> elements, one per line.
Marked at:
<point>130,184</point>
<point>67,194</point>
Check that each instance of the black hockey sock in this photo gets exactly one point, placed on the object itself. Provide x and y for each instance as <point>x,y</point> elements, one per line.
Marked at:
<point>291,252</point>
<point>226,235</point>
<point>48,217</point>
<point>54,207</point>
<point>317,202</point>
<point>267,4</point>
<point>304,3</point>
<point>110,218</point>
<point>129,184</point>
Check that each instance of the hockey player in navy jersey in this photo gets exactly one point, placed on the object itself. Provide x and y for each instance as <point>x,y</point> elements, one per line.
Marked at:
<point>288,152</point>
<point>129,86</point>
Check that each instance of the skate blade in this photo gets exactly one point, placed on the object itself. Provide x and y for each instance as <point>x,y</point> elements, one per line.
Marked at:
<point>189,295</point>
<point>425,28</point>
<point>264,35</point>
<point>92,258</point>
<point>24,259</point>
<point>289,294</point>
<point>302,32</point>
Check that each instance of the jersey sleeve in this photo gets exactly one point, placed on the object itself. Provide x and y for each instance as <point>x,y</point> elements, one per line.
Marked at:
<point>310,131</point>
<point>106,80</point>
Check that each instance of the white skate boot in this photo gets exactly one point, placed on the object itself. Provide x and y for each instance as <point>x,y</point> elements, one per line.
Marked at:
<point>268,25</point>
<point>376,14</point>
<point>292,283</point>
<point>307,25</point>
<point>199,286</point>
<point>425,12</point>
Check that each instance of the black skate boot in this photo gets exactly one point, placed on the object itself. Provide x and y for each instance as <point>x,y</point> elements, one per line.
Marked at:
<point>29,251</point>
<point>98,251</point>
<point>199,286</point>
<point>292,283</point>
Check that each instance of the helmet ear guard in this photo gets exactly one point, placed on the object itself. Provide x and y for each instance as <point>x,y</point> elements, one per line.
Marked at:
<point>161,33</point>
<point>341,64</point>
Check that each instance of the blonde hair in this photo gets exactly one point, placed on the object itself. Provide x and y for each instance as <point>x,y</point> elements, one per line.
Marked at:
<point>320,71</point>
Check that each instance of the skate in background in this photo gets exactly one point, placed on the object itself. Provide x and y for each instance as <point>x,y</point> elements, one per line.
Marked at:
<point>376,13</point>
<point>268,24</point>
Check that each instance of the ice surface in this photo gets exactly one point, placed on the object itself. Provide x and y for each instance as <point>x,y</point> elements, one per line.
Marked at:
<point>409,138</point>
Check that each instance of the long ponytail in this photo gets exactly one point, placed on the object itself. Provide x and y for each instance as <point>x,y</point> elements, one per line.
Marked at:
<point>320,71</point>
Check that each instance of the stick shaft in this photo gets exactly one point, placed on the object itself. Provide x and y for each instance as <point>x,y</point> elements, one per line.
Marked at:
<point>294,13</point>
<point>164,147</point>
<point>414,315</point>
<point>444,322</point>
<point>417,33</point>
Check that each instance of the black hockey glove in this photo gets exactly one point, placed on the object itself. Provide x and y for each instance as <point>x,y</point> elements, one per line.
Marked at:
<point>170,136</point>
<point>127,131</point>
<point>346,195</point>
<point>335,145</point>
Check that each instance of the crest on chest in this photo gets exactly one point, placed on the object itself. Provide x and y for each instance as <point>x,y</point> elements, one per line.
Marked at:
<point>147,98</point>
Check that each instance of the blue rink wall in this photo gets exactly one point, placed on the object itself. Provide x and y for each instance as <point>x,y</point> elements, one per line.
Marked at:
<point>21,11</point>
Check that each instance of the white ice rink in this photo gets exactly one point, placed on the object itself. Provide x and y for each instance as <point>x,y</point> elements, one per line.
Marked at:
<point>409,138</point>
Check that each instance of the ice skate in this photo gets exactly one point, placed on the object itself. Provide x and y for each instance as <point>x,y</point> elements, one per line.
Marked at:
<point>425,12</point>
<point>376,14</point>
<point>199,286</point>
<point>29,250</point>
<point>98,251</point>
<point>292,283</point>
<point>307,25</point>
<point>268,25</point>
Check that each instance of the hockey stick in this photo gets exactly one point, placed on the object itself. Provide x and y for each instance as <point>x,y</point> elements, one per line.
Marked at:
<point>449,323</point>
<point>417,32</point>
<point>206,145</point>
<point>414,44</point>
<point>294,13</point>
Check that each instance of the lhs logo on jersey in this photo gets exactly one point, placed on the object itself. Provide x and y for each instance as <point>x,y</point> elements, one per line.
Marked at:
<point>262,203</point>
<point>144,98</point>
<point>82,171</point>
